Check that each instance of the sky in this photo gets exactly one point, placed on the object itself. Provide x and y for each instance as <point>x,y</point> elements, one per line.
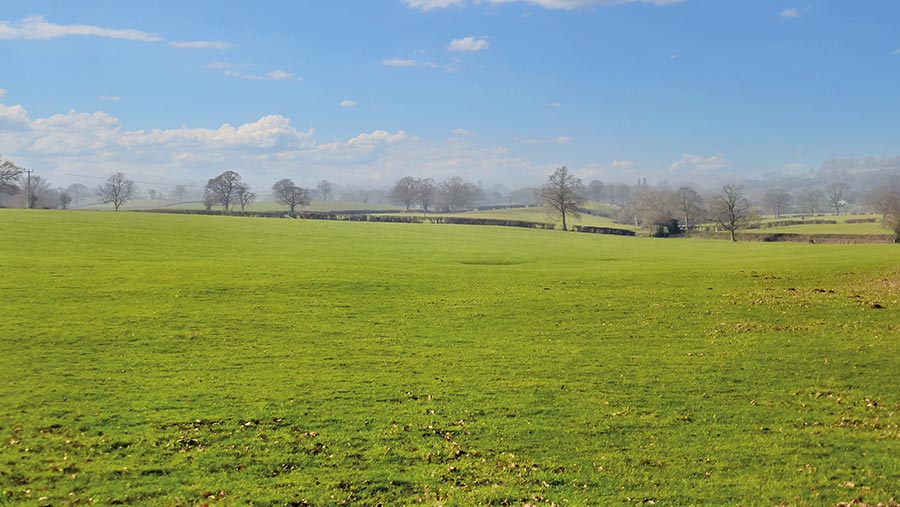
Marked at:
<point>498,91</point>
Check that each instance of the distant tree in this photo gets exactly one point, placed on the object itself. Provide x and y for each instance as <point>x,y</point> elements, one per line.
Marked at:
<point>179,192</point>
<point>892,219</point>
<point>9,174</point>
<point>64,200</point>
<point>653,210</point>
<point>883,200</point>
<point>224,187</point>
<point>364,194</point>
<point>35,187</point>
<point>730,208</point>
<point>563,194</point>
<point>457,194</point>
<point>209,199</point>
<point>595,190</point>
<point>425,193</point>
<point>152,193</point>
<point>404,192</point>
<point>325,188</point>
<point>244,196</point>
<point>285,192</point>
<point>117,190</point>
<point>776,201</point>
<point>837,195</point>
<point>78,192</point>
<point>689,204</point>
<point>811,200</point>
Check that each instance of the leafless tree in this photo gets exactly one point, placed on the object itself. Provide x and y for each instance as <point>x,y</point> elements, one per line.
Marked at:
<point>457,194</point>
<point>425,191</point>
<point>64,200</point>
<point>730,208</point>
<point>243,195</point>
<point>179,192</point>
<point>563,194</point>
<point>690,205</point>
<point>78,192</point>
<point>9,173</point>
<point>883,200</point>
<point>325,188</point>
<point>837,195</point>
<point>285,192</point>
<point>224,187</point>
<point>776,201</point>
<point>811,200</point>
<point>35,187</point>
<point>892,219</point>
<point>117,190</point>
<point>404,192</point>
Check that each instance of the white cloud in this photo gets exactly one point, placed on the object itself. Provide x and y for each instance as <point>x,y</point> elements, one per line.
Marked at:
<point>36,27</point>
<point>400,62</point>
<point>622,164</point>
<point>553,104</point>
<point>201,44</point>
<point>895,52</point>
<point>110,98</point>
<point>794,166</point>
<point>468,45</point>
<point>462,132</point>
<point>546,140</point>
<point>696,163</point>
<point>794,13</point>
<point>348,103</point>
<point>427,5</point>
<point>275,75</point>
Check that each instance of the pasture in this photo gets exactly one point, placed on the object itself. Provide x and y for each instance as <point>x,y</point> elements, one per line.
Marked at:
<point>202,360</point>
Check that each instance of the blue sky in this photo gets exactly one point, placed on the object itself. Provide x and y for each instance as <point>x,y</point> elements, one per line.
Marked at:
<point>492,90</point>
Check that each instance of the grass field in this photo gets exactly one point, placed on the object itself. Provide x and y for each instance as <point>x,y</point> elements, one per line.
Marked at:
<point>149,204</point>
<point>201,360</point>
<point>538,214</point>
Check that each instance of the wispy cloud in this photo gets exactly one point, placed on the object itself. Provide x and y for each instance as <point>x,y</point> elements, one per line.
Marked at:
<point>110,98</point>
<point>427,5</point>
<point>2,93</point>
<point>468,44</point>
<point>401,62</point>
<point>896,52</point>
<point>697,163</point>
<point>794,12</point>
<point>546,140</point>
<point>36,27</point>
<point>553,104</point>
<point>462,132</point>
<point>348,103</point>
<point>622,164</point>
<point>201,44</point>
<point>275,75</point>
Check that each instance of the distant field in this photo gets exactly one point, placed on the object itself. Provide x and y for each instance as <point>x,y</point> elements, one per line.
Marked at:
<point>538,214</point>
<point>190,360</point>
<point>145,204</point>
<point>841,227</point>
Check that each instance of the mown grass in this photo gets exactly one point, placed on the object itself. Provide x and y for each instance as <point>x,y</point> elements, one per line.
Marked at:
<point>189,360</point>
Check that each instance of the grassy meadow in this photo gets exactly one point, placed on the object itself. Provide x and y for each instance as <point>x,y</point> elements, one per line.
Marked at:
<point>204,360</point>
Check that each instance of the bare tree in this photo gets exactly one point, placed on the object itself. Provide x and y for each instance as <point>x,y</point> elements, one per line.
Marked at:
<point>209,199</point>
<point>179,192</point>
<point>325,188</point>
<point>690,205</point>
<point>730,208</point>
<point>285,192</point>
<point>9,173</point>
<point>78,192</point>
<point>811,200</point>
<point>64,200</point>
<point>244,196</point>
<point>35,187</point>
<point>776,201</point>
<point>883,200</point>
<point>892,219</point>
<point>404,192</point>
<point>425,190</point>
<point>563,193</point>
<point>457,194</point>
<point>837,195</point>
<point>224,187</point>
<point>117,190</point>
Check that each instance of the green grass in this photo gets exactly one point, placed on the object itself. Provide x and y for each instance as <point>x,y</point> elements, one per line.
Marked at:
<point>146,204</point>
<point>188,360</point>
<point>538,214</point>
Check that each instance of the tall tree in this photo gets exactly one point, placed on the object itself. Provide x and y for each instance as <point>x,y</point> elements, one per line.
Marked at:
<point>35,187</point>
<point>730,208</point>
<point>117,190</point>
<point>64,200</point>
<point>425,191</point>
<point>883,200</point>
<point>811,200</point>
<point>285,192</point>
<point>9,173</point>
<point>404,192</point>
<point>224,187</point>
<point>456,193</point>
<point>244,196</point>
<point>563,194</point>
<point>776,201</point>
<point>837,195</point>
<point>325,188</point>
<point>595,189</point>
<point>78,192</point>
<point>690,205</point>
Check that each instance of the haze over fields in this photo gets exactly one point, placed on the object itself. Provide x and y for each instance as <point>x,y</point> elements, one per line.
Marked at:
<point>498,91</point>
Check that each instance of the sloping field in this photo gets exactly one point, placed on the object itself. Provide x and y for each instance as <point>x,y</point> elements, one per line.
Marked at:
<point>194,360</point>
<point>538,214</point>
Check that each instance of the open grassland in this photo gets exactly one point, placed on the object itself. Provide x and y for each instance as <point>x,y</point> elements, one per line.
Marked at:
<point>536,214</point>
<point>188,360</point>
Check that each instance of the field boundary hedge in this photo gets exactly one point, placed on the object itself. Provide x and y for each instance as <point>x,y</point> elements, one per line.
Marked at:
<point>843,239</point>
<point>376,216</point>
